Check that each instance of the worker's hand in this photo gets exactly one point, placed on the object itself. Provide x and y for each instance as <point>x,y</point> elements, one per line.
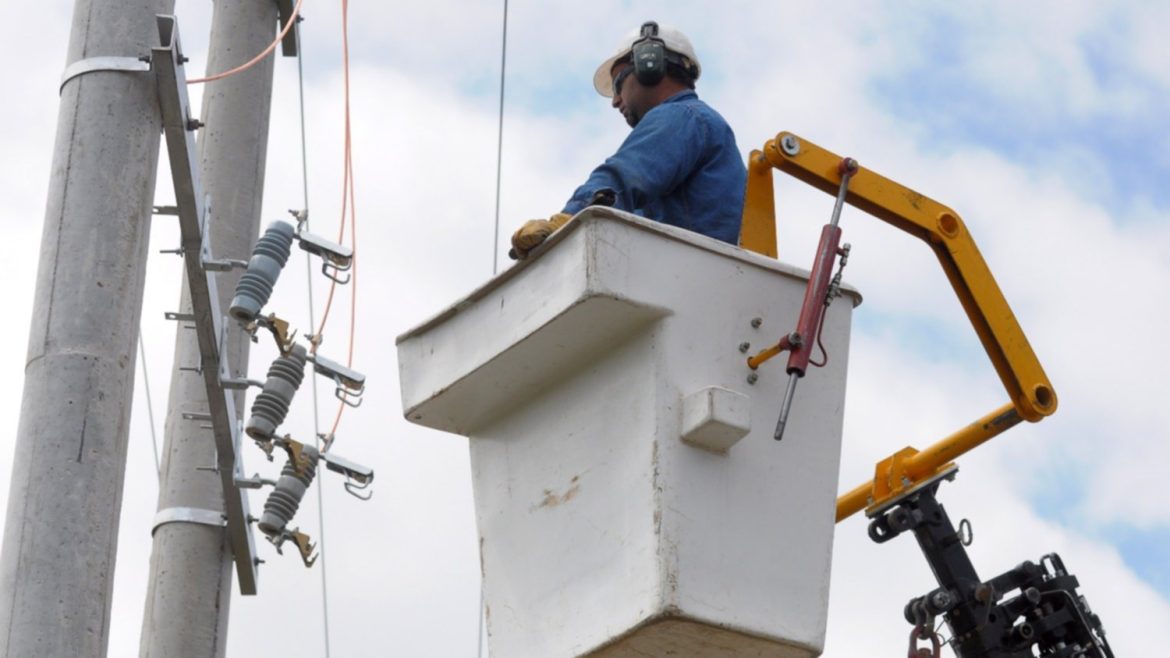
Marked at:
<point>534,232</point>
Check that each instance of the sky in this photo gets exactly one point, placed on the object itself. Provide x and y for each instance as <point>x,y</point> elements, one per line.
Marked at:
<point>1041,123</point>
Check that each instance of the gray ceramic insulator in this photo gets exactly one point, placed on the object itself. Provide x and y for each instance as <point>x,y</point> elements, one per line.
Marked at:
<point>268,259</point>
<point>271,406</point>
<point>284,500</point>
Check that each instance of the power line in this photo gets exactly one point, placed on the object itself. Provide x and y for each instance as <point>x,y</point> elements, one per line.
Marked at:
<point>149,404</point>
<point>500,140</point>
<point>496,234</point>
<point>292,20</point>
<point>312,323</point>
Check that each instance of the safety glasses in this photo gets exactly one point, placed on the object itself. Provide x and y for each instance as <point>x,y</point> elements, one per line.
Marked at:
<point>620,78</point>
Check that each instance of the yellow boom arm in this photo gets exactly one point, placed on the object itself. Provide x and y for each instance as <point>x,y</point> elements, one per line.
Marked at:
<point>1030,393</point>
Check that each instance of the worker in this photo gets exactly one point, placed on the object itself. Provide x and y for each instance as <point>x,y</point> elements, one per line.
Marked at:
<point>679,165</point>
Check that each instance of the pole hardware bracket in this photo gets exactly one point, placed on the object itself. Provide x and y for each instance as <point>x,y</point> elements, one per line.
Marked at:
<point>304,544</point>
<point>335,258</point>
<point>350,383</point>
<point>278,327</point>
<point>254,482</point>
<point>357,477</point>
<point>106,63</point>
<point>224,265</point>
<point>305,547</point>
<point>240,384</point>
<point>188,515</point>
<point>206,261</point>
<point>296,453</point>
<point>225,379</point>
<point>288,46</point>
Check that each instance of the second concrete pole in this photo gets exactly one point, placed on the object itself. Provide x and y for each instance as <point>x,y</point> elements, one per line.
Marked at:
<point>190,584</point>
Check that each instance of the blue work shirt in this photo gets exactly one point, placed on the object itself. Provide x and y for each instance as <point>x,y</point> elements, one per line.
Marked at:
<point>679,166</point>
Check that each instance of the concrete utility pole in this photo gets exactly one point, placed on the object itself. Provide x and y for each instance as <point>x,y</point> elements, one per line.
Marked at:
<point>191,566</point>
<point>61,533</point>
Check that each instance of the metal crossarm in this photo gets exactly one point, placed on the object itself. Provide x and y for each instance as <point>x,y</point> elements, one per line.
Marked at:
<point>178,127</point>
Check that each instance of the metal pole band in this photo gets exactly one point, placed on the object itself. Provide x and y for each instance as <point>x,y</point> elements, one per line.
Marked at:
<point>188,515</point>
<point>91,64</point>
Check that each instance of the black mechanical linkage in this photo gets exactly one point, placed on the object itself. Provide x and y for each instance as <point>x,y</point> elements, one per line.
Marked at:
<point>1032,606</point>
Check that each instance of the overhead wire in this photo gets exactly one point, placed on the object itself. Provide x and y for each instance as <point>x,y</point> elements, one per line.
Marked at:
<point>292,20</point>
<point>149,404</point>
<point>348,206</point>
<point>312,322</point>
<point>496,240</point>
<point>500,141</point>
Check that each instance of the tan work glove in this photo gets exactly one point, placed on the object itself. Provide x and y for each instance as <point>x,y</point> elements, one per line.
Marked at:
<point>534,232</point>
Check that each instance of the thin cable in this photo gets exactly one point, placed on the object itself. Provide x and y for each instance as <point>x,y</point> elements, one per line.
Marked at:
<point>496,236</point>
<point>149,404</point>
<point>352,287</point>
<point>312,322</point>
<point>500,141</point>
<point>348,203</point>
<point>345,165</point>
<point>292,20</point>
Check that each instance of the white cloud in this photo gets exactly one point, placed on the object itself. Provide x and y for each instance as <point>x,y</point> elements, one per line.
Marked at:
<point>1083,279</point>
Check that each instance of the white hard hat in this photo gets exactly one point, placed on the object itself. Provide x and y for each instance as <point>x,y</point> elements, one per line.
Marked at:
<point>674,40</point>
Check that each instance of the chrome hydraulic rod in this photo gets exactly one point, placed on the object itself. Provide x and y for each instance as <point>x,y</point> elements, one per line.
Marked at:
<point>785,406</point>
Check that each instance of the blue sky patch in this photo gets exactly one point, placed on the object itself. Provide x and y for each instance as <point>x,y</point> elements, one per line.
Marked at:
<point>928,338</point>
<point>1145,552</point>
<point>1061,500</point>
<point>1116,154</point>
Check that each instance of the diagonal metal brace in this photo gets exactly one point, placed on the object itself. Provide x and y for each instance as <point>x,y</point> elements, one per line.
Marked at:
<point>192,208</point>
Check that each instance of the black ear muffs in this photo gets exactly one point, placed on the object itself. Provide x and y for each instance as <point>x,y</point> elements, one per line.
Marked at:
<point>649,56</point>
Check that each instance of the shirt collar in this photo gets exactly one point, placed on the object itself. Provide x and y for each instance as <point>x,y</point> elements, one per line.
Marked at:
<point>686,94</point>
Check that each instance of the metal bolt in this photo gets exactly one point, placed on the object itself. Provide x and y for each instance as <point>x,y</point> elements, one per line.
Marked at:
<point>745,346</point>
<point>790,145</point>
<point>984,593</point>
<point>194,124</point>
<point>753,378</point>
<point>941,599</point>
<point>756,322</point>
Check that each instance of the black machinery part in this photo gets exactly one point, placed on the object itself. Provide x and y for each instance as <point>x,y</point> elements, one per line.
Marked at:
<point>1030,607</point>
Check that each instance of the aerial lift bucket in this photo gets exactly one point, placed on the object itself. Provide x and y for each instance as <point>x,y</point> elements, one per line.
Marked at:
<point>629,496</point>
